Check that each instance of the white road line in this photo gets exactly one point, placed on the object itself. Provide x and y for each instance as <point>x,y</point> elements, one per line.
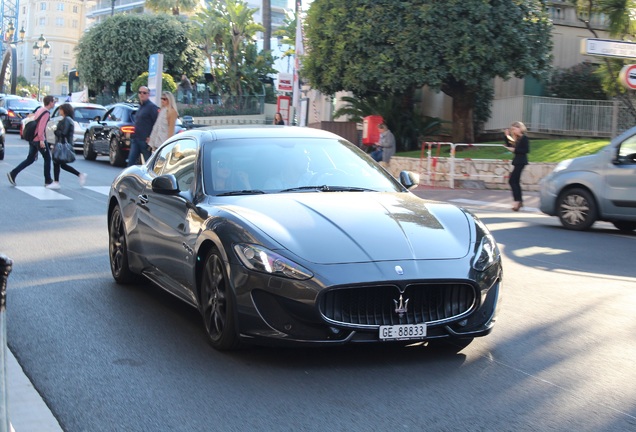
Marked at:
<point>42,193</point>
<point>104,190</point>
<point>491,204</point>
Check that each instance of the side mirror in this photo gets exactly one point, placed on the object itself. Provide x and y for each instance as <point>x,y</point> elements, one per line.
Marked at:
<point>165,184</point>
<point>409,179</point>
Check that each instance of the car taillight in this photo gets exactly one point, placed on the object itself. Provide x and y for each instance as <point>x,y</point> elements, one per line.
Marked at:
<point>128,129</point>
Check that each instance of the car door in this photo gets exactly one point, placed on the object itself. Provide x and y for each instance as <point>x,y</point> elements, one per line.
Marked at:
<point>620,181</point>
<point>164,219</point>
<point>51,126</point>
<point>102,130</point>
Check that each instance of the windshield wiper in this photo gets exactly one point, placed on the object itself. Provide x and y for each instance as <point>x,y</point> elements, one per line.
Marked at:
<point>323,188</point>
<point>242,192</point>
<point>347,189</point>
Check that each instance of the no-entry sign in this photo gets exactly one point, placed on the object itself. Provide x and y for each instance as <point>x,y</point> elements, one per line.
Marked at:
<point>627,76</point>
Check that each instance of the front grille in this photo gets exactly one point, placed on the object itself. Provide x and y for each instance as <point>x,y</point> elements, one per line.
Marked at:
<point>375,305</point>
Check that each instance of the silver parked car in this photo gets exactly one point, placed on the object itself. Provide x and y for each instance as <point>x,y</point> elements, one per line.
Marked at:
<point>84,114</point>
<point>601,187</point>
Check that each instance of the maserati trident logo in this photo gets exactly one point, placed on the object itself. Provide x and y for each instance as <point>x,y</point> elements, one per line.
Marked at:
<point>401,306</point>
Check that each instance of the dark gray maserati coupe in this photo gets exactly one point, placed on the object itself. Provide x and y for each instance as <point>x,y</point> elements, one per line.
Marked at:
<point>293,235</point>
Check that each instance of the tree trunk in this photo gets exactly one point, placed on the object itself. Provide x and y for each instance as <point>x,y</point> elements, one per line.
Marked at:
<point>463,102</point>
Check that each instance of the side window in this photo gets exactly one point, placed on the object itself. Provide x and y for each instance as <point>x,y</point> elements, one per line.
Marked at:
<point>627,151</point>
<point>161,159</point>
<point>180,161</point>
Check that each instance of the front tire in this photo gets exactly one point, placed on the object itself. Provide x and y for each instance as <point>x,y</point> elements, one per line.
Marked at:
<point>217,305</point>
<point>89,150</point>
<point>118,249</point>
<point>576,209</point>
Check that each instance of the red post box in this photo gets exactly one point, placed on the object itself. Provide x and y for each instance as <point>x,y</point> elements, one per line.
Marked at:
<point>370,132</point>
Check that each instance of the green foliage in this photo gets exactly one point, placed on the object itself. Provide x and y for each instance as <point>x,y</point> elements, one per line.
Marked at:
<point>540,150</point>
<point>175,7</point>
<point>167,82</point>
<point>457,46</point>
<point>225,30</point>
<point>117,50</point>
<point>580,81</point>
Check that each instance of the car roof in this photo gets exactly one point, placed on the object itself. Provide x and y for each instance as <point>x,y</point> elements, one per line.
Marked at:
<point>259,131</point>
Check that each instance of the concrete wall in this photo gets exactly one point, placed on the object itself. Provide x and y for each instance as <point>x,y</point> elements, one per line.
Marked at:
<point>493,174</point>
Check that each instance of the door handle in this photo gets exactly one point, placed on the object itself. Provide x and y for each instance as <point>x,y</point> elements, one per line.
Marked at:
<point>143,199</point>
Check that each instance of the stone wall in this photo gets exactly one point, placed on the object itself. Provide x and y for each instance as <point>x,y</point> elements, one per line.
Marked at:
<point>493,174</point>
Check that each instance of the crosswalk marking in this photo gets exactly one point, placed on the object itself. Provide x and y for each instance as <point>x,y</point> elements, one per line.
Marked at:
<point>491,204</point>
<point>104,190</point>
<point>42,193</point>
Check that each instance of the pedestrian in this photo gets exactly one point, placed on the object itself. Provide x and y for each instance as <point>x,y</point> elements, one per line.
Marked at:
<point>186,88</point>
<point>38,144</point>
<point>145,119</point>
<point>517,142</point>
<point>166,121</point>
<point>64,133</point>
<point>69,98</point>
<point>386,146</point>
<point>278,119</point>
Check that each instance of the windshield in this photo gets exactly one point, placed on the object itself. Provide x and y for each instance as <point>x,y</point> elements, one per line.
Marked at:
<point>22,104</point>
<point>294,164</point>
<point>86,114</point>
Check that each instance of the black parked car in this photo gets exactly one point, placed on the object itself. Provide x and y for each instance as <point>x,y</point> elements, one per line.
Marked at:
<point>294,235</point>
<point>111,135</point>
<point>15,108</point>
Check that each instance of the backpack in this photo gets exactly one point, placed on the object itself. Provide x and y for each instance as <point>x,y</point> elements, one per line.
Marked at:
<point>28,133</point>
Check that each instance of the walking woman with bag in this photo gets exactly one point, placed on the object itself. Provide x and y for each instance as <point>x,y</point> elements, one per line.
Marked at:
<point>517,142</point>
<point>64,134</point>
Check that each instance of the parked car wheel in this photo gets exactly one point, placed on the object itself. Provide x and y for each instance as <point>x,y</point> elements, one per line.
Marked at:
<point>217,305</point>
<point>576,209</point>
<point>89,152</point>
<point>625,225</point>
<point>114,153</point>
<point>118,249</point>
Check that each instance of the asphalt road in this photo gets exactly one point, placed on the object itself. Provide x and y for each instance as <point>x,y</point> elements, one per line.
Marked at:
<point>112,358</point>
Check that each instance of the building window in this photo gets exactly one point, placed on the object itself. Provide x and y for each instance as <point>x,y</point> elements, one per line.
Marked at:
<point>47,70</point>
<point>75,9</point>
<point>65,68</point>
<point>59,21</point>
<point>42,21</point>
<point>64,89</point>
<point>74,24</point>
<point>66,49</point>
<point>43,6</point>
<point>60,7</point>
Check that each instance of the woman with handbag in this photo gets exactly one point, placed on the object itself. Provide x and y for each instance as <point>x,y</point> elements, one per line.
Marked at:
<point>63,152</point>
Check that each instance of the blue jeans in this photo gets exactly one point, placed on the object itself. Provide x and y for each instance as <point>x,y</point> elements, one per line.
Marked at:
<point>377,155</point>
<point>137,147</point>
<point>34,147</point>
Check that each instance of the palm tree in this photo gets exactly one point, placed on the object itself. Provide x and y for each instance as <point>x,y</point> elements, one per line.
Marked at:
<point>174,6</point>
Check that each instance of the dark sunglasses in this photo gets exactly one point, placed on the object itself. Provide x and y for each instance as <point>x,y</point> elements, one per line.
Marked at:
<point>142,92</point>
<point>164,98</point>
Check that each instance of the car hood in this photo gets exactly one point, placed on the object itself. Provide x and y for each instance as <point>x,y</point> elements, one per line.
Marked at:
<point>353,227</point>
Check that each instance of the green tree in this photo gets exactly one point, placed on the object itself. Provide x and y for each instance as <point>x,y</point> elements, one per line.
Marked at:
<point>457,46</point>
<point>117,50</point>
<point>225,31</point>
<point>173,6</point>
<point>167,82</point>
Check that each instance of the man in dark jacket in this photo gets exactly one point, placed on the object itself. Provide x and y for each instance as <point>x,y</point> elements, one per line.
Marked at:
<point>145,119</point>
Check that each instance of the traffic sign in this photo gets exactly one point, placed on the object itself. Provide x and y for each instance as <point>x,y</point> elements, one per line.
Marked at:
<point>627,77</point>
<point>608,48</point>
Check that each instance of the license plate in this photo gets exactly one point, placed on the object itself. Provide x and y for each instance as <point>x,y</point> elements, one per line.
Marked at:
<point>402,332</point>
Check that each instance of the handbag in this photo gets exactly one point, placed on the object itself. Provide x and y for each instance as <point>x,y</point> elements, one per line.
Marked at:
<point>63,153</point>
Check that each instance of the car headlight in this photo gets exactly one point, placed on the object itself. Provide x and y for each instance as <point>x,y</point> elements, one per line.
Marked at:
<point>562,165</point>
<point>487,253</point>
<point>263,260</point>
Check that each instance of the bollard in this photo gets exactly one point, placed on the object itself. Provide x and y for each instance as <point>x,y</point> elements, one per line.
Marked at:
<point>5,268</point>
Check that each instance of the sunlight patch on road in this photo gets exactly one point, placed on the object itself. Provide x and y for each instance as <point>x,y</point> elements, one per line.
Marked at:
<point>538,250</point>
<point>104,190</point>
<point>42,193</point>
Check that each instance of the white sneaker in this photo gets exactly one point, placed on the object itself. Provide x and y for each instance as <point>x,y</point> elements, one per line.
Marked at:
<point>82,179</point>
<point>54,185</point>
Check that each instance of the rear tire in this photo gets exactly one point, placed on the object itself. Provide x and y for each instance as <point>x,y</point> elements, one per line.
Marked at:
<point>576,209</point>
<point>115,154</point>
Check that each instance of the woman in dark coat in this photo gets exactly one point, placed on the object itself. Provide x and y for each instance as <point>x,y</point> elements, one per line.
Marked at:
<point>517,142</point>
<point>64,133</point>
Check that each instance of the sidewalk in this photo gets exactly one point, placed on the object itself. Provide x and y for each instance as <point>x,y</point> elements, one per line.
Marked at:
<point>489,198</point>
<point>27,410</point>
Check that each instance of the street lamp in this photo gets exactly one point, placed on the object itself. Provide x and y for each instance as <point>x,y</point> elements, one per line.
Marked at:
<point>41,49</point>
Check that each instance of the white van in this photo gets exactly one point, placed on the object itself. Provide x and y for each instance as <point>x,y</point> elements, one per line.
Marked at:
<point>602,187</point>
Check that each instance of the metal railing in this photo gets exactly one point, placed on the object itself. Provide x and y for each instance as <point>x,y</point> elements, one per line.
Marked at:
<point>430,173</point>
<point>557,116</point>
